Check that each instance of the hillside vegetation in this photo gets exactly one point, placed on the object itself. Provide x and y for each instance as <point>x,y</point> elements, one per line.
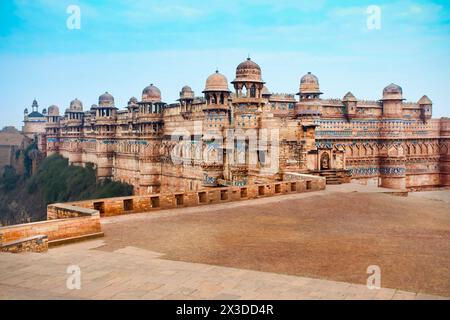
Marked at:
<point>25,199</point>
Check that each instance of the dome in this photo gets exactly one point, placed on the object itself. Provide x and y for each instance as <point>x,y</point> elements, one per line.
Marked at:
<point>53,111</point>
<point>133,102</point>
<point>186,93</point>
<point>25,111</point>
<point>248,71</point>
<point>106,100</point>
<point>94,106</point>
<point>76,105</point>
<point>424,100</point>
<point>393,92</point>
<point>151,94</point>
<point>309,83</point>
<point>309,78</point>
<point>216,82</point>
<point>265,91</point>
<point>35,114</point>
<point>349,97</point>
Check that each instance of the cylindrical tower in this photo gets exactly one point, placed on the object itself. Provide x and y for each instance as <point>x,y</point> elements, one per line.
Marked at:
<point>216,121</point>
<point>52,130</point>
<point>392,155</point>
<point>150,125</point>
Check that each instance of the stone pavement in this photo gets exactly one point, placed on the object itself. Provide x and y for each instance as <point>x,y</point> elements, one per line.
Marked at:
<point>133,273</point>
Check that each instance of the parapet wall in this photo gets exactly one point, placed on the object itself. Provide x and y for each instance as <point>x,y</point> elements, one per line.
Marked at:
<point>81,220</point>
<point>159,201</point>
<point>65,224</point>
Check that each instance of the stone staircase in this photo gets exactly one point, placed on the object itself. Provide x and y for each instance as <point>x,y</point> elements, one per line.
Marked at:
<point>331,176</point>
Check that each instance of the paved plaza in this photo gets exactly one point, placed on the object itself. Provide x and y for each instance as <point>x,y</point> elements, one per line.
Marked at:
<point>132,273</point>
<point>273,248</point>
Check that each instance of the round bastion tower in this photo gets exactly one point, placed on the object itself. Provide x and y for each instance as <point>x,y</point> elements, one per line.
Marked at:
<point>73,131</point>
<point>105,126</point>
<point>308,109</point>
<point>52,130</point>
<point>186,98</point>
<point>248,110</point>
<point>392,154</point>
<point>216,121</point>
<point>150,124</point>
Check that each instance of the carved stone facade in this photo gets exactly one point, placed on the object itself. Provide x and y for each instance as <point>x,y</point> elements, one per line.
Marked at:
<point>208,141</point>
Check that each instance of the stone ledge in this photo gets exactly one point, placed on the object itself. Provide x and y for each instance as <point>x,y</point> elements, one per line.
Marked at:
<point>37,243</point>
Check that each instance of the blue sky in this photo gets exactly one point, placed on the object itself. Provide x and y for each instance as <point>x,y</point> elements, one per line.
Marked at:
<point>123,46</point>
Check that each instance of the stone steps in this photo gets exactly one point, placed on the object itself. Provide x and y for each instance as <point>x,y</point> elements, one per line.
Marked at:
<point>331,177</point>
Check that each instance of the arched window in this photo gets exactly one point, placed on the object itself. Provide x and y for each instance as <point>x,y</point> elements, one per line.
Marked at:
<point>253,91</point>
<point>222,99</point>
<point>244,91</point>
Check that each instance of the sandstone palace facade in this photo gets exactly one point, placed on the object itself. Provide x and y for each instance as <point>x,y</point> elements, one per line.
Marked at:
<point>207,141</point>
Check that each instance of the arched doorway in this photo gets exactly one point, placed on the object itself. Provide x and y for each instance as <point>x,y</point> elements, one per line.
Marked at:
<point>325,161</point>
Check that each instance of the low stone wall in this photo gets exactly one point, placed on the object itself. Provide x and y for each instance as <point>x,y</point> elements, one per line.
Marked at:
<point>65,211</point>
<point>294,183</point>
<point>67,223</point>
<point>37,243</point>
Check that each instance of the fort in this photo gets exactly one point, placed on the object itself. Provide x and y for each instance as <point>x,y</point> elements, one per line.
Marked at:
<point>229,146</point>
<point>389,143</point>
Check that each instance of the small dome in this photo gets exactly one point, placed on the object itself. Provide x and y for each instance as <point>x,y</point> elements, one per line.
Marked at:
<point>133,102</point>
<point>94,106</point>
<point>265,91</point>
<point>248,71</point>
<point>216,82</point>
<point>349,97</point>
<point>393,88</point>
<point>309,83</point>
<point>424,101</point>
<point>53,111</point>
<point>25,111</point>
<point>76,105</point>
<point>186,93</point>
<point>309,78</point>
<point>106,100</point>
<point>393,92</point>
<point>151,94</point>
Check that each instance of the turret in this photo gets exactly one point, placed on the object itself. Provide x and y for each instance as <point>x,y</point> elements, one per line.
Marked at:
<point>309,87</point>
<point>392,102</point>
<point>151,101</point>
<point>217,114</point>
<point>350,103</point>
<point>106,107</point>
<point>425,108</point>
<point>186,99</point>
<point>248,83</point>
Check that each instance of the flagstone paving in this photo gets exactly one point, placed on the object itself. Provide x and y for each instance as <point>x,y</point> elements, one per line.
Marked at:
<point>133,273</point>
